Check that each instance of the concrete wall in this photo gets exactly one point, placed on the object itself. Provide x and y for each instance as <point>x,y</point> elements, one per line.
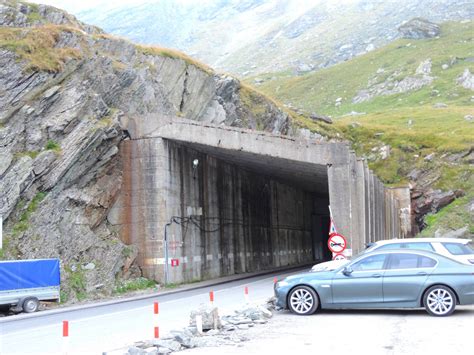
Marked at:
<point>256,201</point>
<point>236,220</point>
<point>364,209</point>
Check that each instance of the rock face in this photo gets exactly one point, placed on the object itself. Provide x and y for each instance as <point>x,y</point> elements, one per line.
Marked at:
<point>66,104</point>
<point>395,85</point>
<point>466,80</point>
<point>419,28</point>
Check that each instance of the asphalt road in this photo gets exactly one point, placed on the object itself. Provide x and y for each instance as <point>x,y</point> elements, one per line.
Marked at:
<point>109,327</point>
<point>377,332</point>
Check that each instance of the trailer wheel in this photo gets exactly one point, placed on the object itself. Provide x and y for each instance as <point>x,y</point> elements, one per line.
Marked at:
<point>30,305</point>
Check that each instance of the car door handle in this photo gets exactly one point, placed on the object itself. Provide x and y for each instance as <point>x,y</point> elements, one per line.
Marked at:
<point>422,273</point>
<point>376,275</point>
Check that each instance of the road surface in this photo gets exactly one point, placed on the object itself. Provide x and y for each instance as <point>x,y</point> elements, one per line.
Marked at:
<point>108,327</point>
<point>380,332</point>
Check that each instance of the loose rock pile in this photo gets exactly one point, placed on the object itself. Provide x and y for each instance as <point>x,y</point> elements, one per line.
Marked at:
<point>216,331</point>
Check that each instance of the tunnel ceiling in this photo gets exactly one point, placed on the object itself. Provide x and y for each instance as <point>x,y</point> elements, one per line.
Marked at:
<point>309,177</point>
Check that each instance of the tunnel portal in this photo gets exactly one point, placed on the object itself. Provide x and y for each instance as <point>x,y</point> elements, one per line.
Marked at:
<point>202,201</point>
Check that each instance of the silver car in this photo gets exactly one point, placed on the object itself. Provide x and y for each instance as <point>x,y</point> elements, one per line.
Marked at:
<point>382,279</point>
<point>458,249</point>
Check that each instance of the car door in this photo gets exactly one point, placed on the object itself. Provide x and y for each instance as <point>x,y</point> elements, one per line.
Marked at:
<point>405,277</point>
<point>363,287</point>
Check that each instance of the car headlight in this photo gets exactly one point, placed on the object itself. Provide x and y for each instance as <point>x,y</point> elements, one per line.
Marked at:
<point>281,284</point>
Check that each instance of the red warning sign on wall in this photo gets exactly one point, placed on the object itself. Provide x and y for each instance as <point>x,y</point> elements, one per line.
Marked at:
<point>174,262</point>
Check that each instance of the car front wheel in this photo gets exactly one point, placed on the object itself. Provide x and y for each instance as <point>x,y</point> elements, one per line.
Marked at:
<point>439,301</point>
<point>303,300</point>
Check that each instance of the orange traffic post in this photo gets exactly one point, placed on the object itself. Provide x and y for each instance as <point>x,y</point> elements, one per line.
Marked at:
<point>65,328</point>
<point>211,297</point>
<point>246,293</point>
<point>156,311</point>
<point>65,337</point>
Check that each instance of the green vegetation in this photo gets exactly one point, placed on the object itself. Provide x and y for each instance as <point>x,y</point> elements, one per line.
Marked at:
<point>134,285</point>
<point>318,91</point>
<point>29,153</point>
<point>64,296</point>
<point>408,122</point>
<point>77,282</point>
<point>23,222</point>
<point>173,54</point>
<point>53,145</point>
<point>34,15</point>
<point>257,103</point>
<point>454,216</point>
<point>127,251</point>
<point>37,46</point>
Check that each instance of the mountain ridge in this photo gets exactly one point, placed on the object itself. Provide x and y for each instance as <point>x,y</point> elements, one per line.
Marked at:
<point>253,37</point>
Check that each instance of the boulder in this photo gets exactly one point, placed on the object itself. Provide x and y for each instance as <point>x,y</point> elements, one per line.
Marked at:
<point>466,80</point>
<point>458,233</point>
<point>424,68</point>
<point>172,345</point>
<point>419,28</point>
<point>316,117</point>
<point>210,317</point>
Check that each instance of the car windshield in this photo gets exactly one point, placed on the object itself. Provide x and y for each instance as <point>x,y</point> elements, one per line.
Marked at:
<point>459,249</point>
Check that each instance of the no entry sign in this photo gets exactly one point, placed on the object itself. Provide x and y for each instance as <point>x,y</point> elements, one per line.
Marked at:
<point>337,243</point>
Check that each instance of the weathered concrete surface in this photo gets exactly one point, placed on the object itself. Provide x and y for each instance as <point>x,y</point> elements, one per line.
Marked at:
<point>254,201</point>
<point>248,222</point>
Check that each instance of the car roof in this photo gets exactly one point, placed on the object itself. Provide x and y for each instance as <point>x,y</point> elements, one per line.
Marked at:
<point>423,240</point>
<point>428,253</point>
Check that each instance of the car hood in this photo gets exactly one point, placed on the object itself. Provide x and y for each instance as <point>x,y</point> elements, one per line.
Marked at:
<point>329,265</point>
<point>304,277</point>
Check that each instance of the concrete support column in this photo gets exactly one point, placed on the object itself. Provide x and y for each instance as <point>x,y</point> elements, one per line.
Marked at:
<point>360,208</point>
<point>367,203</point>
<point>373,208</point>
<point>339,182</point>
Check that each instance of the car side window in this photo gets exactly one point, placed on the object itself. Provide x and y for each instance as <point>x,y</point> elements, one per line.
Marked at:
<point>410,261</point>
<point>458,248</point>
<point>374,262</point>
<point>419,246</point>
<point>390,246</point>
<point>424,261</point>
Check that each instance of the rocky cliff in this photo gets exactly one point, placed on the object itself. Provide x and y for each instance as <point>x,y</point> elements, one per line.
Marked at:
<point>69,94</point>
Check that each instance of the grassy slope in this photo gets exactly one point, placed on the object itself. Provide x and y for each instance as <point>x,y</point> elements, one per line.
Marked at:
<point>442,131</point>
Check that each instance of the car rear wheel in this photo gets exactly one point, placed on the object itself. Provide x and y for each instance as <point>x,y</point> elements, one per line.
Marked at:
<point>303,300</point>
<point>30,305</point>
<point>439,301</point>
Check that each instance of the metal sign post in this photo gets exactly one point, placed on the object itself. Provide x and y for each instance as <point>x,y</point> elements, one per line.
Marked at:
<point>165,245</point>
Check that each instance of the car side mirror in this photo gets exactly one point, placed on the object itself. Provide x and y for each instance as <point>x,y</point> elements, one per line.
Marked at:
<point>347,271</point>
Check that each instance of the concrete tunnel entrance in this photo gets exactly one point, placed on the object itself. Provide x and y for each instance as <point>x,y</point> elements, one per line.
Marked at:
<point>234,201</point>
<point>238,212</point>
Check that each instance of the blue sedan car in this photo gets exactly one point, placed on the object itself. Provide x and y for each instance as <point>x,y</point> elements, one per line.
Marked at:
<point>385,279</point>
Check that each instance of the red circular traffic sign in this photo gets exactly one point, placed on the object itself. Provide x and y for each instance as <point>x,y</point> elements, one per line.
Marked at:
<point>337,243</point>
<point>339,257</point>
